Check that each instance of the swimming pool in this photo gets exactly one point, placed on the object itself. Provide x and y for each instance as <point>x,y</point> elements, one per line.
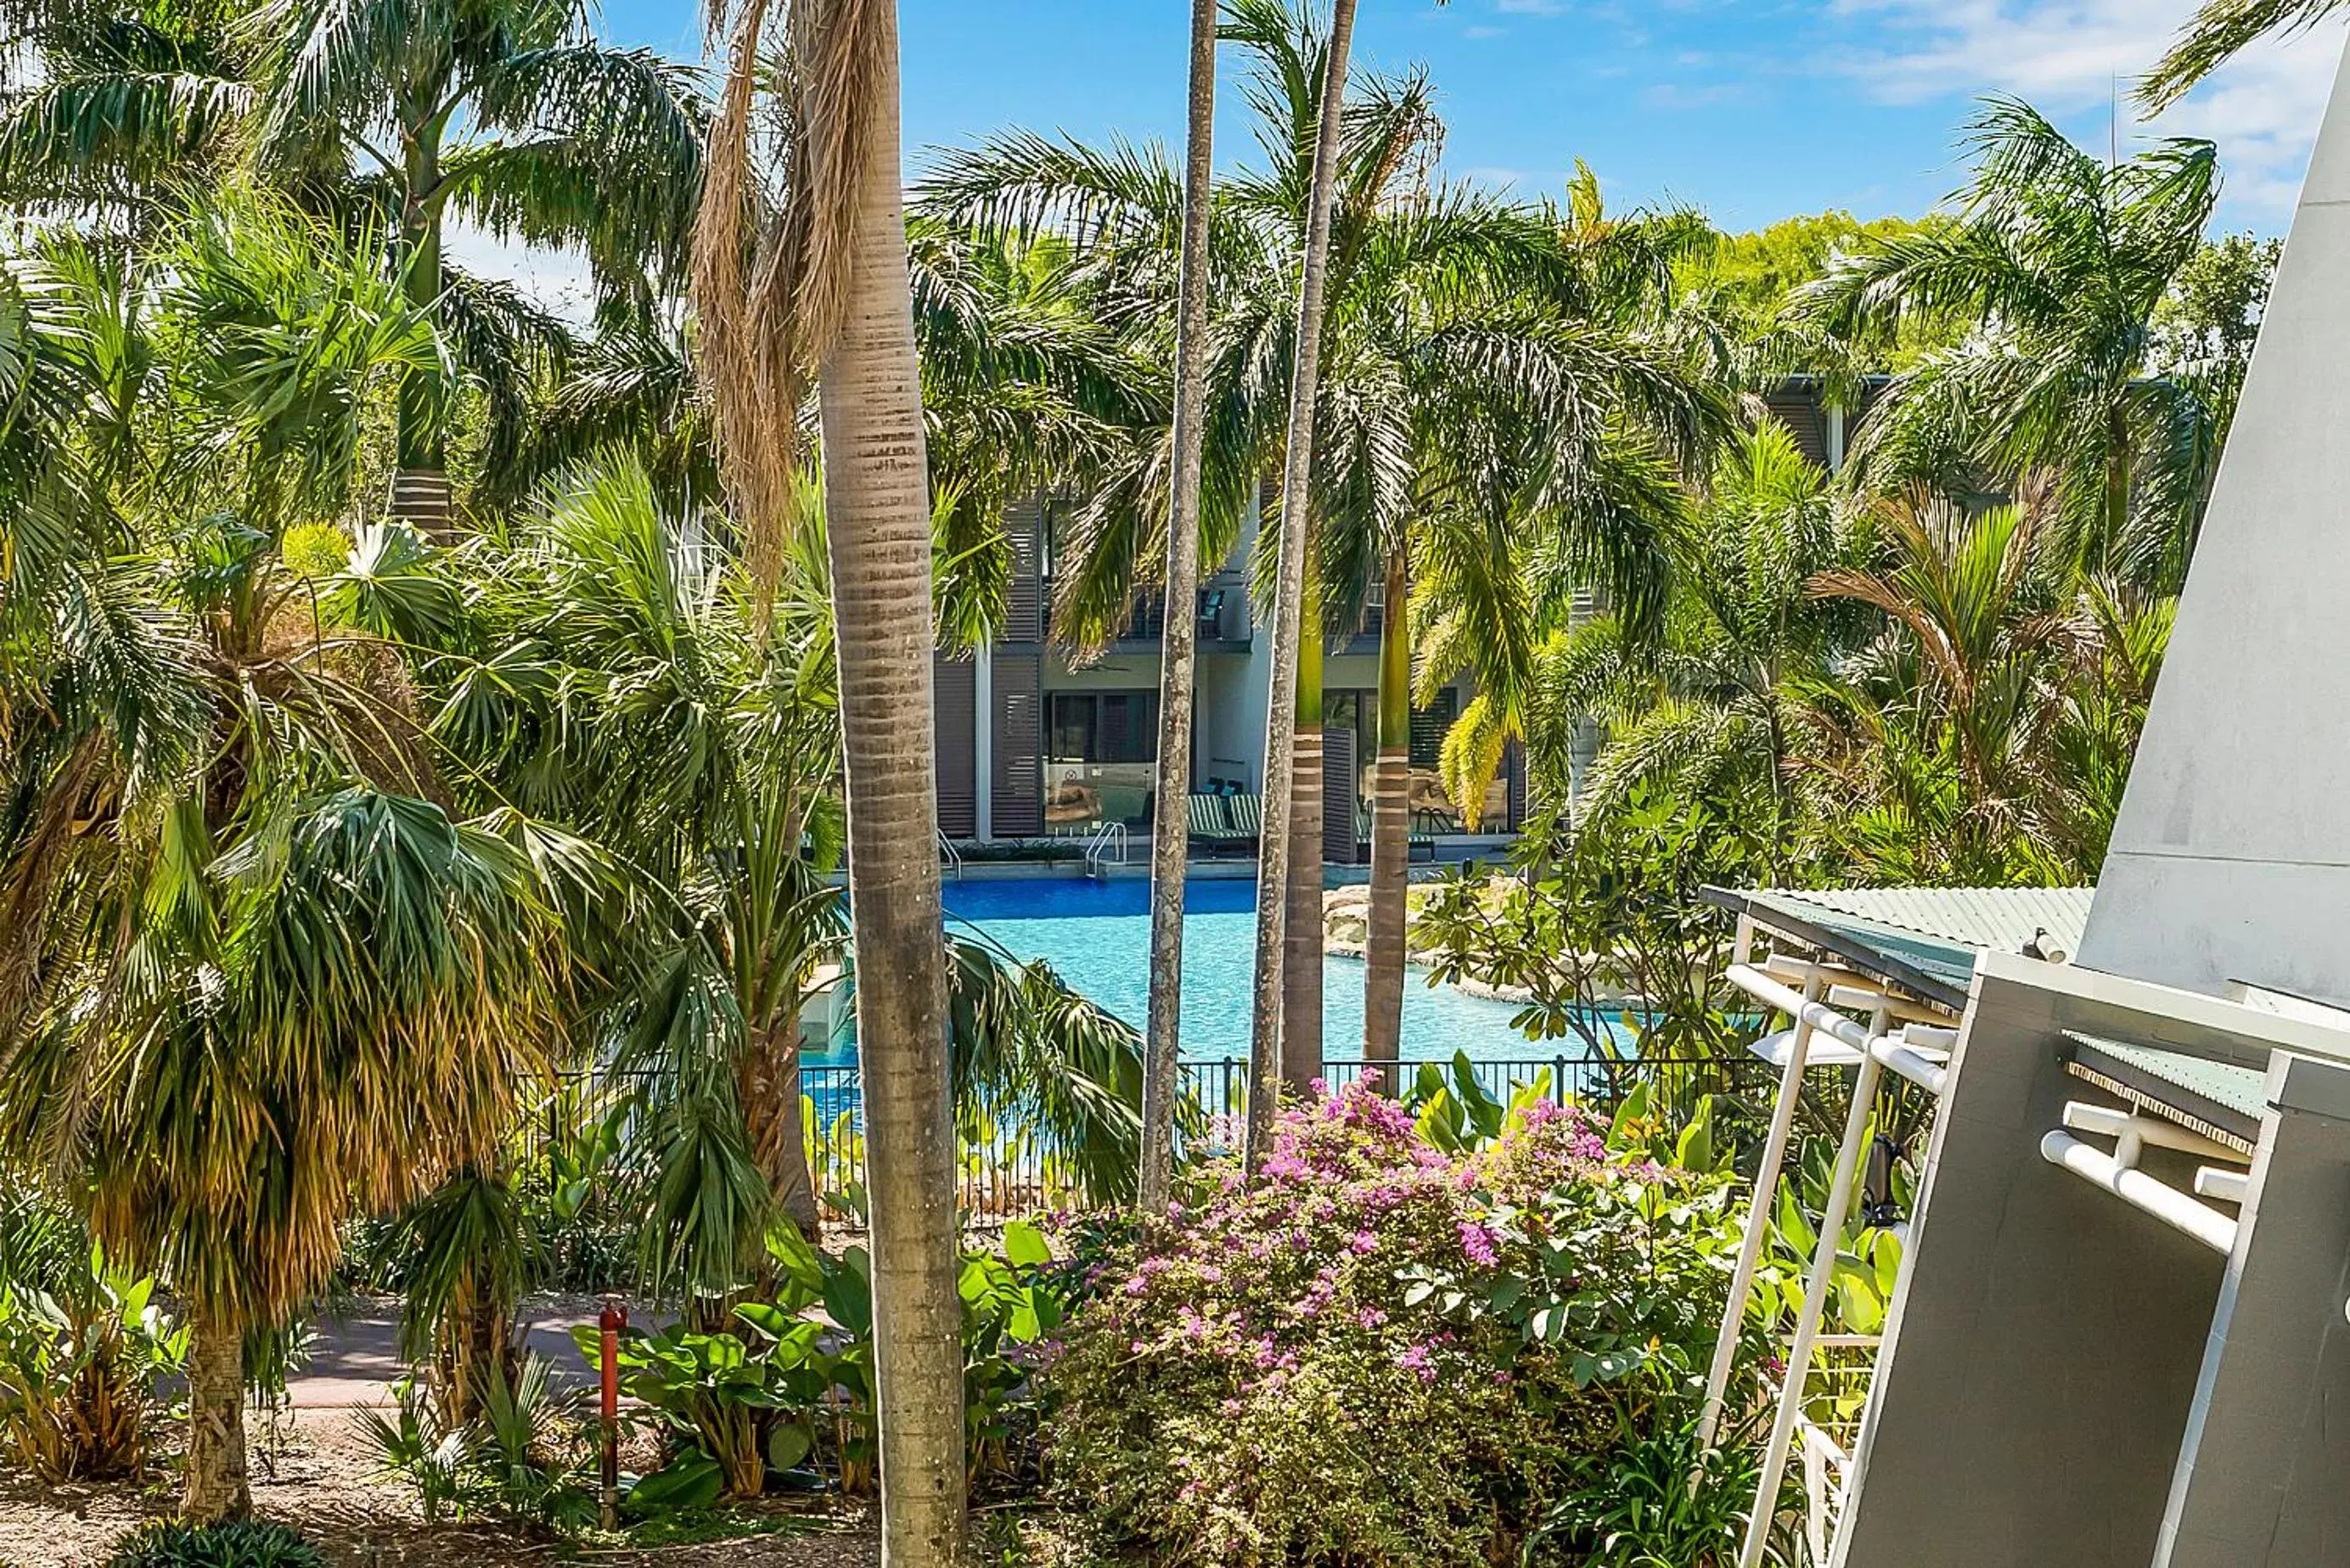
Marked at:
<point>1097,935</point>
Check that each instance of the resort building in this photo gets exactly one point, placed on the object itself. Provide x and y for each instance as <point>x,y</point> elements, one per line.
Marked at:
<point>1034,743</point>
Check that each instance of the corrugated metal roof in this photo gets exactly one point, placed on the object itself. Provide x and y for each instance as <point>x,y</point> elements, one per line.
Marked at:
<point>2001,920</point>
<point>1923,939</point>
<point>2217,1098</point>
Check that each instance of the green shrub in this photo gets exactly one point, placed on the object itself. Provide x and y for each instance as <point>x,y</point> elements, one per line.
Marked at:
<point>246,1544</point>
<point>1633,1505</point>
<point>780,1393</point>
<point>1380,1353</point>
<point>527,1458</point>
<point>79,1366</point>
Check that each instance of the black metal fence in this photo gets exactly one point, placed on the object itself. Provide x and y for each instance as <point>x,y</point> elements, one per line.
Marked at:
<point>1007,1167</point>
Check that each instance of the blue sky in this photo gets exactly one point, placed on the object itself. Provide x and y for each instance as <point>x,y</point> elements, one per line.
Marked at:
<point>1751,110</point>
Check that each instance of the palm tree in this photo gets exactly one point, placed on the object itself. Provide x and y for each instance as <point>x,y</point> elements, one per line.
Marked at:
<point>1929,739</point>
<point>508,113</point>
<point>1537,396</point>
<point>2058,261</point>
<point>1435,298</point>
<point>1171,840</point>
<point>257,979</point>
<point>832,292</point>
<point>1277,1055</point>
<point>1712,707</point>
<point>2217,31</point>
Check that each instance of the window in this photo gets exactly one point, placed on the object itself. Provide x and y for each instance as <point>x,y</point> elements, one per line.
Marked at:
<point>1106,726</point>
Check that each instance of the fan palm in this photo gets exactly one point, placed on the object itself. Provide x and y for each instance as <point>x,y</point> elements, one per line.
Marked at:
<point>2058,261</point>
<point>258,979</point>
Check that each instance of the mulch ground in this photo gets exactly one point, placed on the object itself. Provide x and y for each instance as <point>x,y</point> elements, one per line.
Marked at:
<point>317,1475</point>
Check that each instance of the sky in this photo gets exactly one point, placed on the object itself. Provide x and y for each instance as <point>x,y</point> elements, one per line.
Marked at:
<point>1749,110</point>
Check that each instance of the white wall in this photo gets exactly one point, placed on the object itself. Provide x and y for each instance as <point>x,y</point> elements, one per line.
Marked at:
<point>2232,856</point>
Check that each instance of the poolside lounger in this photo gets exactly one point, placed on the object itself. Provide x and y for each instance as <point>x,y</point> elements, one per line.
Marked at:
<point>1417,837</point>
<point>1210,818</point>
<point>1246,814</point>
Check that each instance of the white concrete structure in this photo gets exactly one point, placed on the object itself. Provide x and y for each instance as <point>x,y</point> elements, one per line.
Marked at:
<point>2232,857</point>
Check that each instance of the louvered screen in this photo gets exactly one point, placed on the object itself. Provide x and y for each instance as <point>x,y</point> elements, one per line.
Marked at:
<point>1019,783</point>
<point>1023,603</point>
<point>954,685</point>
<point>1340,845</point>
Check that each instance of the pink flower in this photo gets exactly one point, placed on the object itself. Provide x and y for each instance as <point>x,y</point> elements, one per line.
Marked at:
<point>1477,1244</point>
<point>1363,1241</point>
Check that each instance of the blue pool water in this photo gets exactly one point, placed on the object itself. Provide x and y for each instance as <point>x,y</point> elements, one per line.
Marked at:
<point>1097,935</point>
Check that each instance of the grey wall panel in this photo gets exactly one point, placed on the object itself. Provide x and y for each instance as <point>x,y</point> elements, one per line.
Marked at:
<point>2044,1340</point>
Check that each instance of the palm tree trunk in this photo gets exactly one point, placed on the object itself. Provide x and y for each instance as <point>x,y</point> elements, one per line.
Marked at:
<point>768,1084</point>
<point>215,1482</point>
<point>1288,618</point>
<point>1171,830</point>
<point>1386,941</point>
<point>420,496</point>
<point>877,502</point>
<point>1301,995</point>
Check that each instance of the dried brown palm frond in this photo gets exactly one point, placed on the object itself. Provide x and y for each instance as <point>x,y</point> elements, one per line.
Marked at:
<point>773,259</point>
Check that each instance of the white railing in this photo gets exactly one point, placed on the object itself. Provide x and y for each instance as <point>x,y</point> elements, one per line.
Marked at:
<point>950,857</point>
<point>1108,838</point>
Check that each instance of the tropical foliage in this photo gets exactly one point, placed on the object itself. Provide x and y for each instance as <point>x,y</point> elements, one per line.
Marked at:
<point>343,850</point>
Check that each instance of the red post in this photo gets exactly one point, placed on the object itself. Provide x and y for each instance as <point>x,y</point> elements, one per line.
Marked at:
<point>615,1318</point>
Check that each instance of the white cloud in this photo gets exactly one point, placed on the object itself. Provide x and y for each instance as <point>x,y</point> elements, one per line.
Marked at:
<point>2068,56</point>
<point>558,281</point>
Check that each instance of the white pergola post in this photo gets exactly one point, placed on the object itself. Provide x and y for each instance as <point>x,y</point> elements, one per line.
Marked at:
<point>1815,1300</point>
<point>1758,1217</point>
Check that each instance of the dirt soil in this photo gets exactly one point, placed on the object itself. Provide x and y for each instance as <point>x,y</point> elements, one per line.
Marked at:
<point>318,1478</point>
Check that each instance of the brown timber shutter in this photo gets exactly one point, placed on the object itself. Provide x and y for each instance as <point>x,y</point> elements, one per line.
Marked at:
<point>953,687</point>
<point>1341,846</point>
<point>1019,718</point>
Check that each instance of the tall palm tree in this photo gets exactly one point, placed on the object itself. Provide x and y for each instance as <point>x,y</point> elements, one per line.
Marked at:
<point>257,979</point>
<point>832,293</point>
<point>1536,396</point>
<point>1275,1055</point>
<point>509,112</point>
<point>2057,261</point>
<point>1170,837</point>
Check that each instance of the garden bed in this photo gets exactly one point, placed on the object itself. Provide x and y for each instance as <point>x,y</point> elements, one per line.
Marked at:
<point>320,1483</point>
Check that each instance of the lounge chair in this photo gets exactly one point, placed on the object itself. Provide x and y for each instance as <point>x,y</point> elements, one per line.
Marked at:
<point>1210,818</point>
<point>1418,838</point>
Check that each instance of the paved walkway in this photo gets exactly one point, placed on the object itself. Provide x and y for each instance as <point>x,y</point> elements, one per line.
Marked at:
<point>357,1358</point>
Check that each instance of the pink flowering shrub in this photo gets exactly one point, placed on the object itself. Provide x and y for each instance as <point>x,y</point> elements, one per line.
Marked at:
<point>1378,1353</point>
